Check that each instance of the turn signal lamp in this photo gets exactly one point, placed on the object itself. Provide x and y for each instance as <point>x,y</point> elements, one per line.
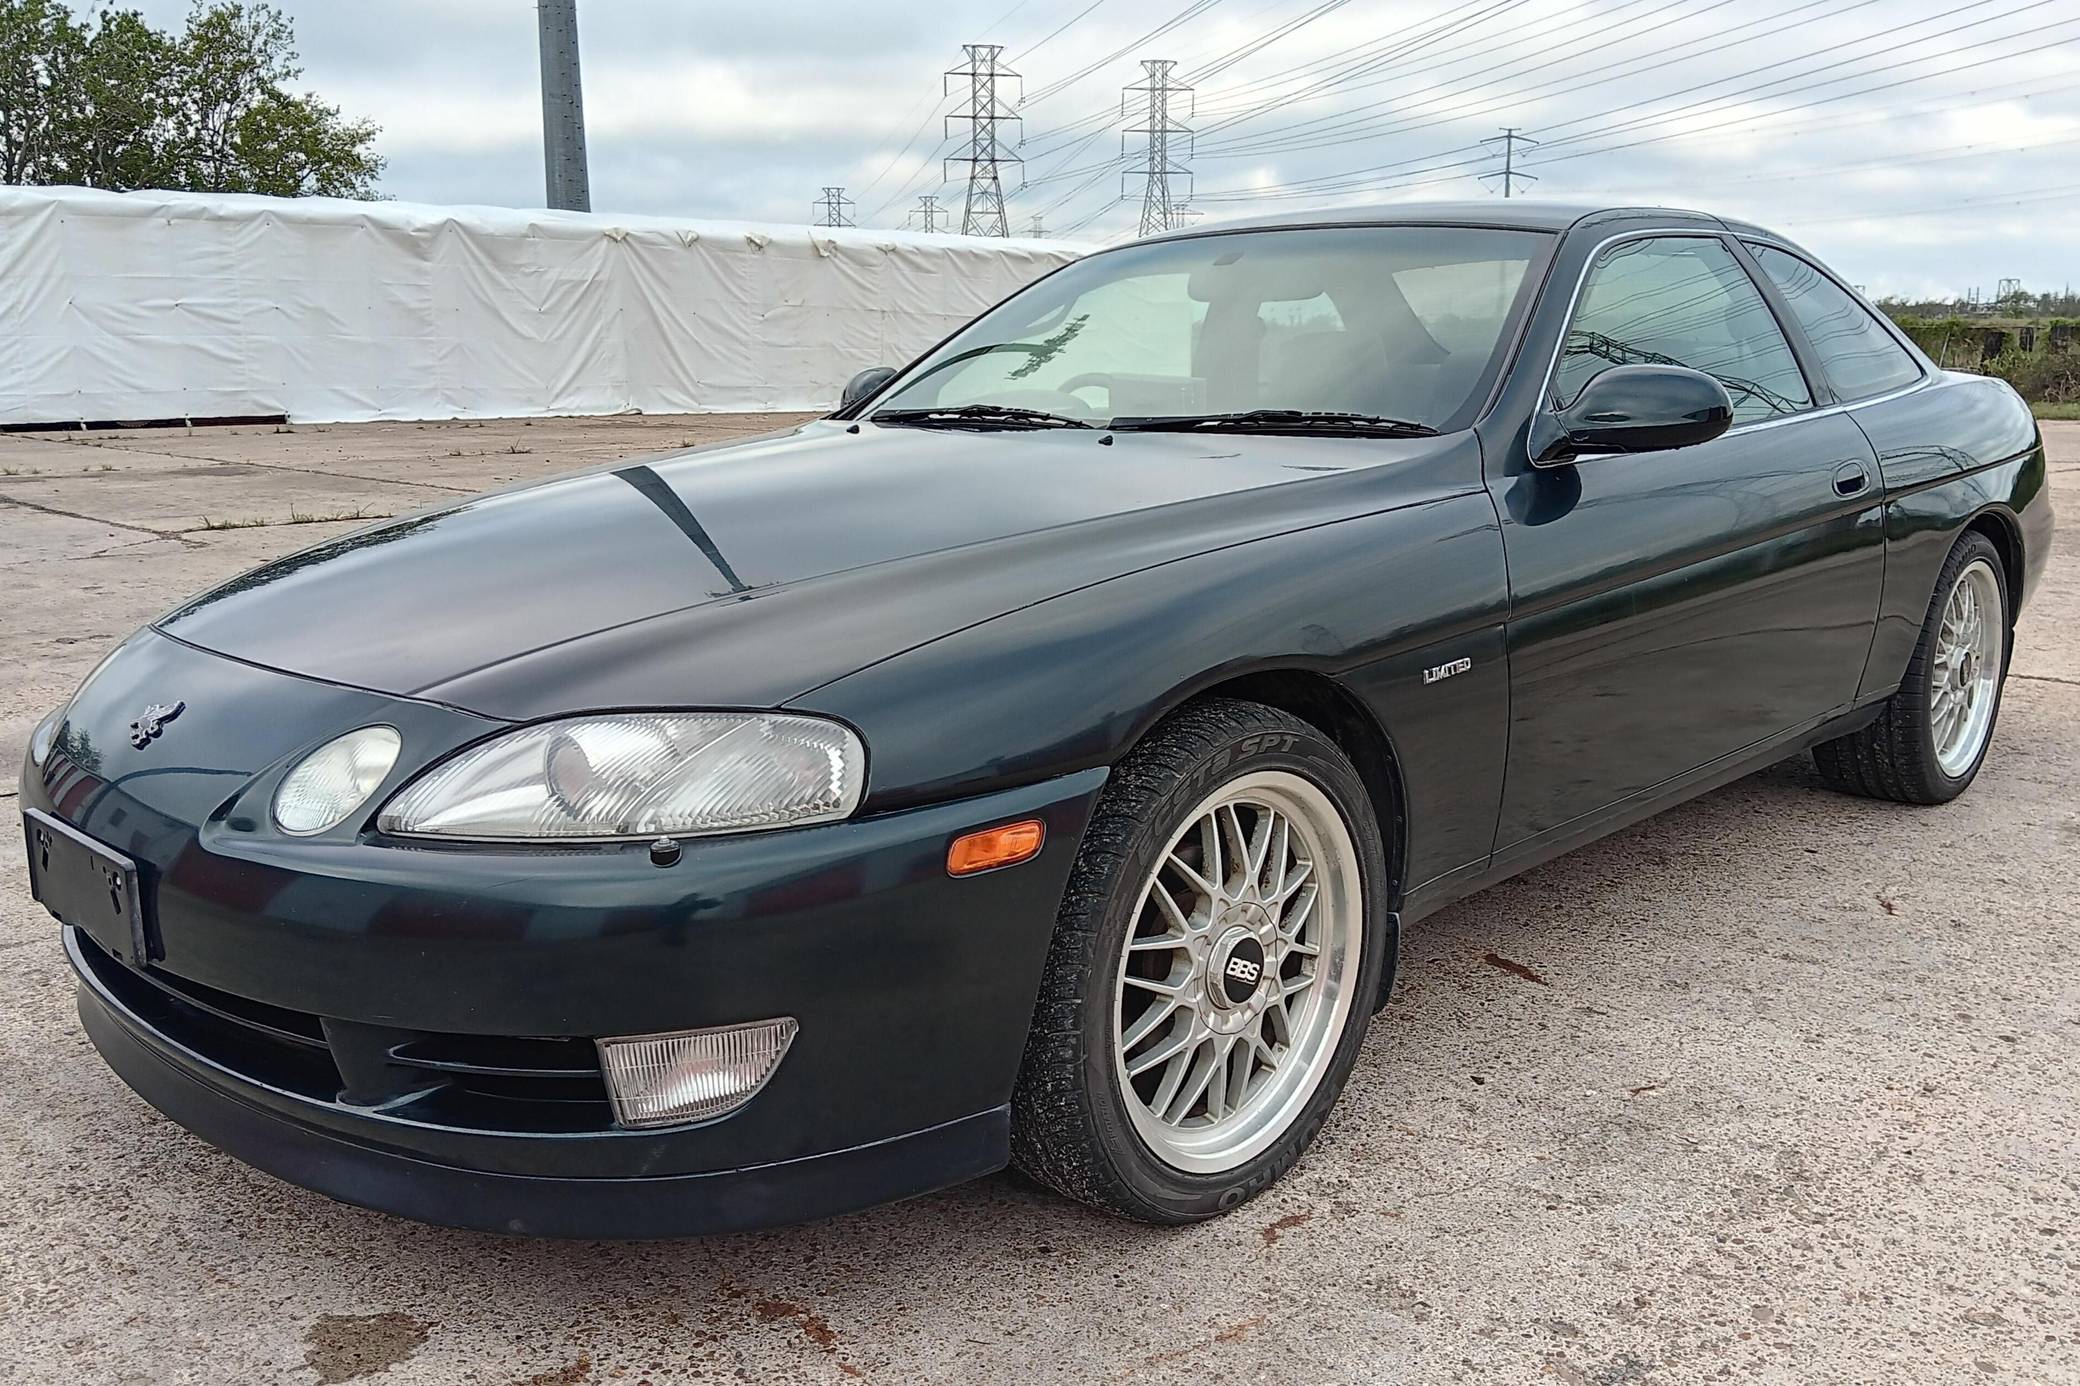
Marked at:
<point>994,847</point>
<point>695,1075</point>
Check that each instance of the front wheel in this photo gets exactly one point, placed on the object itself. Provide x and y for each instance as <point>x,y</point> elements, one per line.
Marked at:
<point>1931,738</point>
<point>1213,969</point>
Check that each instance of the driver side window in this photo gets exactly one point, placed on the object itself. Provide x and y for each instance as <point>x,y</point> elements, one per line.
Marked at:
<point>1682,301</point>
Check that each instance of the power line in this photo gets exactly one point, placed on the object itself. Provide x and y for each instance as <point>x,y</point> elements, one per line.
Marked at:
<point>1054,88</point>
<point>1054,34</point>
<point>833,208</point>
<point>1509,139</point>
<point>1678,53</point>
<point>1356,179</point>
<point>1353,126</point>
<point>1161,208</point>
<point>982,212</point>
<point>2056,193</point>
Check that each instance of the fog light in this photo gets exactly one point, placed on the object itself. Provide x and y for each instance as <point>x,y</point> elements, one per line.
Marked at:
<point>661,1080</point>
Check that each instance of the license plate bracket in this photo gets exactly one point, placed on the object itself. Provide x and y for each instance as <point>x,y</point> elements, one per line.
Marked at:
<point>92,887</point>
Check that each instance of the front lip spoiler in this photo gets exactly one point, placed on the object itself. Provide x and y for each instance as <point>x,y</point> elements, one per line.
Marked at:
<point>684,1205</point>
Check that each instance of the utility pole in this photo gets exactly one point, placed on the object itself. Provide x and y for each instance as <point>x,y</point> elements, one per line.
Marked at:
<point>563,108</point>
<point>928,211</point>
<point>834,208</point>
<point>1161,207</point>
<point>1509,139</point>
<point>982,214</point>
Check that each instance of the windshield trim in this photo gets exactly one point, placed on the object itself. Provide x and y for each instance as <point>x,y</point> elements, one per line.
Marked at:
<point>1481,400</point>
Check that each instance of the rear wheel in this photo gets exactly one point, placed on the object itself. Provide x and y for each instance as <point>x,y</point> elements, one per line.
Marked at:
<point>1931,738</point>
<point>1213,969</point>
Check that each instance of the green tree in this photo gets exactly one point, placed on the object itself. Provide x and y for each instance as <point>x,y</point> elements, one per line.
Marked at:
<point>40,48</point>
<point>117,104</point>
<point>116,127</point>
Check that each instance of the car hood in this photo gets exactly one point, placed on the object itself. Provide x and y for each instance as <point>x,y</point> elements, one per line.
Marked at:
<point>744,574</point>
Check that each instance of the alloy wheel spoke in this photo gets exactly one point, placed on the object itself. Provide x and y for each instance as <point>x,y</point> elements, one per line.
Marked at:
<point>1146,1024</point>
<point>1205,1060</point>
<point>1280,866</point>
<point>1242,1061</point>
<point>1186,1038</point>
<point>1178,920</point>
<point>1258,852</point>
<point>1170,987</point>
<point>1193,878</point>
<point>1234,848</point>
<point>1173,1079</point>
<point>1296,917</point>
<point>1301,870</point>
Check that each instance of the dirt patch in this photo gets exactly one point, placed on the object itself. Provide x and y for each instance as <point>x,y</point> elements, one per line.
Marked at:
<point>1273,1231</point>
<point>815,1327</point>
<point>347,1347</point>
<point>1515,969</point>
<point>574,1373</point>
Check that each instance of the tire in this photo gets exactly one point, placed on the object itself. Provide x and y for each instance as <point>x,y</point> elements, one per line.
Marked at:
<point>1903,755</point>
<point>1079,1122</point>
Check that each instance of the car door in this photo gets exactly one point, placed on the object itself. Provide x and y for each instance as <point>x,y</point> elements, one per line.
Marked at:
<point>1670,609</point>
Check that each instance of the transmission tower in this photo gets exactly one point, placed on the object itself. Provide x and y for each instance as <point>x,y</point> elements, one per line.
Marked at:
<point>1510,140</point>
<point>928,211</point>
<point>983,212</point>
<point>1037,229</point>
<point>1162,209</point>
<point>833,208</point>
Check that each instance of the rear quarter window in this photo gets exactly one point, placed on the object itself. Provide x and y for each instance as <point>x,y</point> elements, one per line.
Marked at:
<point>1857,355</point>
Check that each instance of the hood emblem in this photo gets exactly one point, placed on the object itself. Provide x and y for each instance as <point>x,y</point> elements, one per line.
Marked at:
<point>152,721</point>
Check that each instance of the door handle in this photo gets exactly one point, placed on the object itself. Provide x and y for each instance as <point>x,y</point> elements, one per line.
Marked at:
<point>1850,479</point>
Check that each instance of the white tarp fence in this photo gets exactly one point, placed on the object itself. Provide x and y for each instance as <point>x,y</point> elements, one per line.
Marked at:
<point>157,305</point>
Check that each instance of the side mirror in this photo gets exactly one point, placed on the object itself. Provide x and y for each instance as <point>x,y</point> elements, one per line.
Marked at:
<point>865,383</point>
<point>1634,409</point>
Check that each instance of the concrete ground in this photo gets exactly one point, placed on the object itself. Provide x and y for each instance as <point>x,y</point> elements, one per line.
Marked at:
<point>1777,1087</point>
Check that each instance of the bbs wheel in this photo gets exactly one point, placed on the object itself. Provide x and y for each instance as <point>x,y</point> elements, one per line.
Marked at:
<point>1213,969</point>
<point>1930,740</point>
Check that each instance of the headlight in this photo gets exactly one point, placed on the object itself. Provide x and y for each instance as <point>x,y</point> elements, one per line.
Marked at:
<point>638,775</point>
<point>40,739</point>
<point>334,780</point>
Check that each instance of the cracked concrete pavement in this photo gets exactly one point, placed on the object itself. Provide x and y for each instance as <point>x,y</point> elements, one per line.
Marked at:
<point>1776,1087</point>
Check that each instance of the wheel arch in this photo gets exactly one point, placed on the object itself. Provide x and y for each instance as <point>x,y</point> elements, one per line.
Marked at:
<point>2005,533</point>
<point>1330,708</point>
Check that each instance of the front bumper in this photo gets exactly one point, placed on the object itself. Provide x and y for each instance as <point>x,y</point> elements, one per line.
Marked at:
<point>411,1029</point>
<point>276,1133</point>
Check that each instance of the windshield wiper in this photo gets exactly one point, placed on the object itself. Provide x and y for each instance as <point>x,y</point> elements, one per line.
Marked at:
<point>1297,421</point>
<point>973,415</point>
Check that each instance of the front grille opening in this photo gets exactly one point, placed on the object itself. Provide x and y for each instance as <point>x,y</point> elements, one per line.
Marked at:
<point>493,1083</point>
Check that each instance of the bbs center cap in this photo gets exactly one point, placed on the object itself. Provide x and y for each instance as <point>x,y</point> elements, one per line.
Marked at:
<point>1238,969</point>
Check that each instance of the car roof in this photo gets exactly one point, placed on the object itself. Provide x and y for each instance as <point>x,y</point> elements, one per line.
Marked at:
<point>1530,214</point>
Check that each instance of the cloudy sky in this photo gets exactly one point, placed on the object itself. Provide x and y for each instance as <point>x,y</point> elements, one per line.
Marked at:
<point>1924,146</point>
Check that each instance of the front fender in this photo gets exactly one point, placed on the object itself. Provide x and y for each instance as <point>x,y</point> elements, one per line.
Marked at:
<point>1073,682</point>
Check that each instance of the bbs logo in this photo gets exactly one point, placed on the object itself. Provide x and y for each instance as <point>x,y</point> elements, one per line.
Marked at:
<point>1243,970</point>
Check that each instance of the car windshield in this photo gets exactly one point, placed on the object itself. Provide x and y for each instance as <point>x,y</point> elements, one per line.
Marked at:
<point>1397,325</point>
